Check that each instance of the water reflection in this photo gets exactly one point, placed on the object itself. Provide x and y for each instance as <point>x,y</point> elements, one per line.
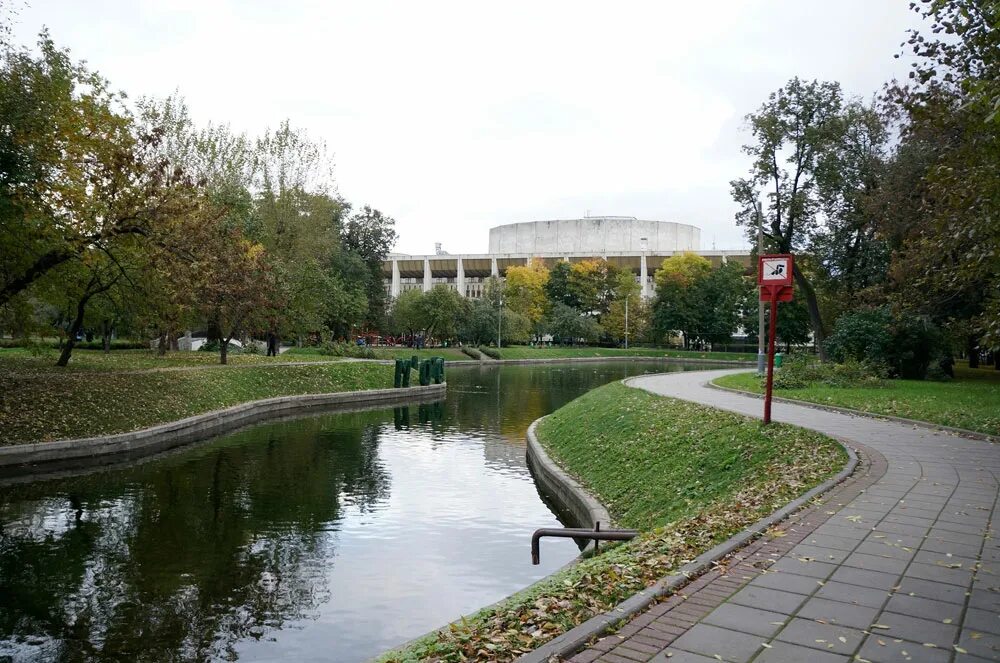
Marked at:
<point>325,538</point>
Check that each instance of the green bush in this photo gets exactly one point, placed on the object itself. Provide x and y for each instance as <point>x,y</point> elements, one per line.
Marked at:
<point>472,352</point>
<point>490,352</point>
<point>800,371</point>
<point>334,349</point>
<point>905,345</point>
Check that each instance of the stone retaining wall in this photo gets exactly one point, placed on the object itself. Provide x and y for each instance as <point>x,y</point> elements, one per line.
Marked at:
<point>175,433</point>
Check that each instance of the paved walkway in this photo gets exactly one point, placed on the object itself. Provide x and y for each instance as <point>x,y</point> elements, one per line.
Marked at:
<point>899,563</point>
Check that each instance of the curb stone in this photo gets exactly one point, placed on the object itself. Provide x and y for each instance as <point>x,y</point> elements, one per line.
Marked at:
<point>574,639</point>
<point>961,432</point>
<point>175,433</point>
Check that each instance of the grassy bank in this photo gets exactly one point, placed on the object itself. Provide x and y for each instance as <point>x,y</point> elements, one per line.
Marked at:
<point>42,406</point>
<point>20,359</point>
<point>970,401</point>
<point>527,352</point>
<point>450,354</point>
<point>689,476</point>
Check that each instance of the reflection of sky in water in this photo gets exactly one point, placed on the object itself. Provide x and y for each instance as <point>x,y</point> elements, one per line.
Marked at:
<point>325,538</point>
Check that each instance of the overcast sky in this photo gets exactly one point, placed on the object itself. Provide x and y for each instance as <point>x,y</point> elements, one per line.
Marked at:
<point>457,116</point>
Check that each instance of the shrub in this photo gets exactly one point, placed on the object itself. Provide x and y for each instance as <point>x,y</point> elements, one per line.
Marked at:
<point>905,345</point>
<point>472,352</point>
<point>490,352</point>
<point>335,349</point>
<point>800,371</point>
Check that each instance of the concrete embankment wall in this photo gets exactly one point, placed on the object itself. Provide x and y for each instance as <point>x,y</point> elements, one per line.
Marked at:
<point>148,441</point>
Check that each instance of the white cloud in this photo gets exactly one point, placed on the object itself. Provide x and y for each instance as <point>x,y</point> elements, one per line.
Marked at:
<point>456,116</point>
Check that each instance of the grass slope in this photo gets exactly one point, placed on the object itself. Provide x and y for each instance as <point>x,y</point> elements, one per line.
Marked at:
<point>526,352</point>
<point>450,354</point>
<point>41,406</point>
<point>689,476</point>
<point>970,401</point>
<point>20,359</point>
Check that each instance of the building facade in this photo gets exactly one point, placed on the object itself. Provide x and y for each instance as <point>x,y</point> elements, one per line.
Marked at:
<point>637,245</point>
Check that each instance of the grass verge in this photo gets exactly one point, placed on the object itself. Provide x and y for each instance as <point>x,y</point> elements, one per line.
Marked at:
<point>689,476</point>
<point>450,354</point>
<point>526,352</point>
<point>970,401</point>
<point>42,406</point>
<point>20,359</point>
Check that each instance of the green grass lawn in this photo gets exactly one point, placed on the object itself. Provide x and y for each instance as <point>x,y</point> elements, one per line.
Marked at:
<point>450,354</point>
<point>20,359</point>
<point>687,475</point>
<point>527,352</point>
<point>48,405</point>
<point>970,401</point>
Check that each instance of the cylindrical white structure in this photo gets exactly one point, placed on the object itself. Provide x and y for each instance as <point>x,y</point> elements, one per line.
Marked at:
<point>597,235</point>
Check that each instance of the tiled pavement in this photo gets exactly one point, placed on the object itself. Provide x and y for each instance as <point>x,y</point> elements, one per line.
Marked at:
<point>899,563</point>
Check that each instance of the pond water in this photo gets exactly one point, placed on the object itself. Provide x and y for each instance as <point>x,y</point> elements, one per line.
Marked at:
<point>326,538</point>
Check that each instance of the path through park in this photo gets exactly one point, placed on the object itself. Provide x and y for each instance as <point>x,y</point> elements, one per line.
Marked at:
<point>899,563</point>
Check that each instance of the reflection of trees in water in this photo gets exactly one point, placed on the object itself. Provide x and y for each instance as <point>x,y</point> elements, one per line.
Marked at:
<point>508,398</point>
<point>179,560</point>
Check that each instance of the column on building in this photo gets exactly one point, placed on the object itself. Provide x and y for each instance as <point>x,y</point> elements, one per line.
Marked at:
<point>643,277</point>
<point>494,272</point>
<point>394,288</point>
<point>460,276</point>
<point>427,275</point>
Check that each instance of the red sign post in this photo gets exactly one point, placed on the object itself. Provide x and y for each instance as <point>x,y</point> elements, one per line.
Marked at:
<point>774,276</point>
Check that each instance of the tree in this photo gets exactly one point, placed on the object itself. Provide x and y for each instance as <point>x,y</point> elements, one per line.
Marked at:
<point>75,171</point>
<point>849,254</point>
<point>566,324</point>
<point>441,309</point>
<point>678,300</point>
<point>235,286</point>
<point>525,290</point>
<point>557,288</point>
<point>627,291</point>
<point>793,326</point>
<point>794,129</point>
<point>591,284</point>
<point>696,301</point>
<point>371,234</point>
<point>948,261</point>
<point>407,314</point>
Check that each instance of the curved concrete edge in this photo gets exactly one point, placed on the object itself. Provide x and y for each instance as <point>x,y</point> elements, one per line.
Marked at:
<point>175,433</point>
<point>571,641</point>
<point>566,490</point>
<point>962,432</point>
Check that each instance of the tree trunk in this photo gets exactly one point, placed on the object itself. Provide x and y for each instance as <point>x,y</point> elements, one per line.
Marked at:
<point>973,348</point>
<point>174,345</point>
<point>815,317</point>
<point>74,329</point>
<point>106,329</point>
<point>161,344</point>
<point>223,350</point>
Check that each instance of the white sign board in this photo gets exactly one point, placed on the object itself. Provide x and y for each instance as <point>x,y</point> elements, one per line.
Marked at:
<point>775,269</point>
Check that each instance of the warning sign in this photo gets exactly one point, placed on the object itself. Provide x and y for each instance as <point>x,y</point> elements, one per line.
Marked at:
<point>775,270</point>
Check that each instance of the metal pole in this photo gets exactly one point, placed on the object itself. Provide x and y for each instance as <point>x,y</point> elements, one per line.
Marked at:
<point>770,353</point>
<point>760,303</point>
<point>499,320</point>
<point>626,321</point>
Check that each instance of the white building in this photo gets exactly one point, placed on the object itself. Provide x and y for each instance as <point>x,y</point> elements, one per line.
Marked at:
<point>627,242</point>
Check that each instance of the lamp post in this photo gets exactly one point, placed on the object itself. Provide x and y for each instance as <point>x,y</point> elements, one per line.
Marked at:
<point>626,320</point>
<point>499,320</point>
<point>761,351</point>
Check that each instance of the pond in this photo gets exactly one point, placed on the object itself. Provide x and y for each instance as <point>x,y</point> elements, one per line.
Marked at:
<point>326,538</point>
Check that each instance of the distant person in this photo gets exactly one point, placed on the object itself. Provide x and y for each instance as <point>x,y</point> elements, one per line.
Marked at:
<point>272,345</point>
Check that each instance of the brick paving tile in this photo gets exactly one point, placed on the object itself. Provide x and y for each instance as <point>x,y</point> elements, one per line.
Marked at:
<point>908,542</point>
